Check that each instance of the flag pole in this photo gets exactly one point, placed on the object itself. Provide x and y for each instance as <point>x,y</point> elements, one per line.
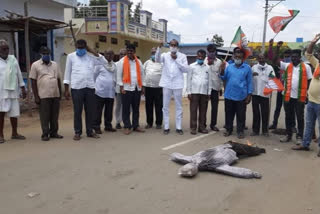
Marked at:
<point>276,35</point>
<point>225,58</point>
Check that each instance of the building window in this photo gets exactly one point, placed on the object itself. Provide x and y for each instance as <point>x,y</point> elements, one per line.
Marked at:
<point>126,42</point>
<point>114,41</point>
<point>113,26</point>
<point>137,30</point>
<point>136,44</point>
<point>113,13</point>
<point>114,20</point>
<point>102,38</point>
<point>113,6</point>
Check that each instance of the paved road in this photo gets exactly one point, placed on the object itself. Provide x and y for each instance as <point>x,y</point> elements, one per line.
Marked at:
<point>132,174</point>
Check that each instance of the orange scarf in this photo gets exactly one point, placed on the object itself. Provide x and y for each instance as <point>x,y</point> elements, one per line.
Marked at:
<point>303,83</point>
<point>316,72</point>
<point>126,71</point>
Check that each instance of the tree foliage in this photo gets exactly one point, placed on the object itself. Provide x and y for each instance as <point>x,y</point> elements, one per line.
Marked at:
<point>136,14</point>
<point>218,40</point>
<point>98,2</point>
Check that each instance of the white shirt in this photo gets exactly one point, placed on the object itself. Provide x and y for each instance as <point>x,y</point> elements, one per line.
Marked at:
<point>11,94</point>
<point>152,73</point>
<point>115,77</point>
<point>198,79</point>
<point>172,72</point>
<point>259,82</point>
<point>215,81</point>
<point>79,70</point>
<point>133,75</point>
<point>295,77</point>
<point>105,80</point>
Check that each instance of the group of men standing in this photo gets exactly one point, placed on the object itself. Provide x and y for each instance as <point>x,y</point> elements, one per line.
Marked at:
<point>95,81</point>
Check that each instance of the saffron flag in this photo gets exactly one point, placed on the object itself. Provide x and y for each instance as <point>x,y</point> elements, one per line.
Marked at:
<point>273,84</point>
<point>279,23</point>
<point>240,40</point>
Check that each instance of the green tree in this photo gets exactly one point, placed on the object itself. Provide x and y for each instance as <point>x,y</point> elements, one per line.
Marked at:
<point>218,40</point>
<point>136,14</point>
<point>130,11</point>
<point>98,2</point>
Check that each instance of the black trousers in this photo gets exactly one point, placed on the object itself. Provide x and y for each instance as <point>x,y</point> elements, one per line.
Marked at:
<point>293,109</point>
<point>237,108</point>
<point>49,114</point>
<point>83,98</point>
<point>131,99</point>
<point>214,97</point>
<point>277,111</point>
<point>107,105</point>
<point>260,108</point>
<point>154,100</point>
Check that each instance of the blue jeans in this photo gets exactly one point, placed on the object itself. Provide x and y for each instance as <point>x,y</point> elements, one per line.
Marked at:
<point>313,114</point>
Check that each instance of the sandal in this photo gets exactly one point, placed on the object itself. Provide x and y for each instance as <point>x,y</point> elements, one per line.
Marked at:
<point>2,140</point>
<point>18,137</point>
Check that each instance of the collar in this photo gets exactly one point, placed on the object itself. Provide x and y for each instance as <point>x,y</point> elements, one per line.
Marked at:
<point>5,60</point>
<point>50,63</point>
<point>241,66</point>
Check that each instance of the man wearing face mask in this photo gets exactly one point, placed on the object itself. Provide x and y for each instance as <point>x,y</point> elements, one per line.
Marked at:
<point>279,73</point>
<point>215,83</point>
<point>79,73</point>
<point>11,82</point>
<point>260,102</point>
<point>238,90</point>
<point>198,93</point>
<point>118,110</point>
<point>45,78</point>
<point>153,92</point>
<point>172,81</point>
<point>296,82</point>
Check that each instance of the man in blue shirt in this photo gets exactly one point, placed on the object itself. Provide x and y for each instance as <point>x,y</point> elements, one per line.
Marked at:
<point>238,89</point>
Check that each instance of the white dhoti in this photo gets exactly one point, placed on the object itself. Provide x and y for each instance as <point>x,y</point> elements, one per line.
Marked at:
<point>10,106</point>
<point>177,95</point>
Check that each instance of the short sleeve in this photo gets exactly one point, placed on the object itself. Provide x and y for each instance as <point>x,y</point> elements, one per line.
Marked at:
<point>309,72</point>
<point>283,65</point>
<point>33,72</point>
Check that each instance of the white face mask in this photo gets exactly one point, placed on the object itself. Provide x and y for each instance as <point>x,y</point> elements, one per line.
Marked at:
<point>173,49</point>
<point>238,61</point>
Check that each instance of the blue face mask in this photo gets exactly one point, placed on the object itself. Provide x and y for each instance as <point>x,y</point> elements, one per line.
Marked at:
<point>46,58</point>
<point>200,61</point>
<point>287,59</point>
<point>81,52</point>
<point>153,57</point>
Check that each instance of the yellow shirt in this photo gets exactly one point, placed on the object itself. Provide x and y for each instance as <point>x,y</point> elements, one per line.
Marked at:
<point>314,88</point>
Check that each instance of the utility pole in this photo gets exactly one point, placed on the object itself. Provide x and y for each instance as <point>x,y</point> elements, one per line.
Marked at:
<point>265,26</point>
<point>267,10</point>
<point>27,49</point>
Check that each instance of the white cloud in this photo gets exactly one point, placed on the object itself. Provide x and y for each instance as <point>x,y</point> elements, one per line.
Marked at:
<point>197,20</point>
<point>216,4</point>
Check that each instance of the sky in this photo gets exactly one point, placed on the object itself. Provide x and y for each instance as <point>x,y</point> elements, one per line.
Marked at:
<point>197,20</point>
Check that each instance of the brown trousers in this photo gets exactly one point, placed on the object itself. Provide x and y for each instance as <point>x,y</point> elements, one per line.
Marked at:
<point>198,101</point>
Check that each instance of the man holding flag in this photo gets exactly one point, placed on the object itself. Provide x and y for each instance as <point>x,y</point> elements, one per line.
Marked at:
<point>313,107</point>
<point>238,90</point>
<point>296,76</point>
